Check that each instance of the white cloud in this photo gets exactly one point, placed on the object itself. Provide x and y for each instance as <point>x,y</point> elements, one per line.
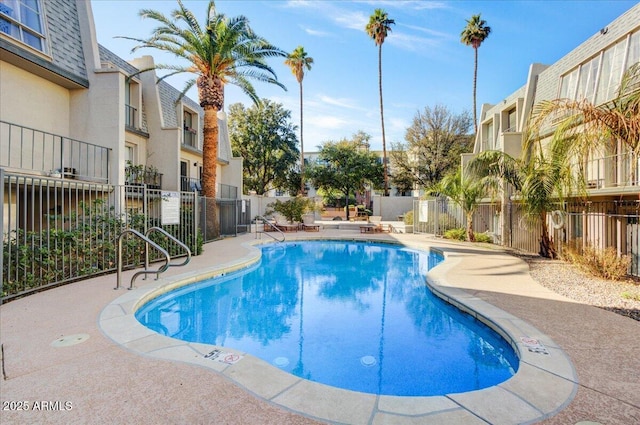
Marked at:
<point>316,33</point>
<point>351,20</point>
<point>326,121</point>
<point>339,102</point>
<point>410,4</point>
<point>412,43</point>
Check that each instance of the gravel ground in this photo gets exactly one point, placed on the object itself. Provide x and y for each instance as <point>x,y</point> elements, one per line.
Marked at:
<point>622,297</point>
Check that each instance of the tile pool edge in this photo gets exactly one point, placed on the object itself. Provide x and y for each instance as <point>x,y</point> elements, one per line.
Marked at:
<point>541,387</point>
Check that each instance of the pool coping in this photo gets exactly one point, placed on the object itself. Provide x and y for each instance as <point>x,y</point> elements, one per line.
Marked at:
<point>545,383</point>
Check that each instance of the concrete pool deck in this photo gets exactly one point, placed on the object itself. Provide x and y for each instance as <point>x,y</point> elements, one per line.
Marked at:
<point>134,376</point>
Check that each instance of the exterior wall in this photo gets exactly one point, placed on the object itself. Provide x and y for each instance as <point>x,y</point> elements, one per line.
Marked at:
<point>543,83</point>
<point>163,149</point>
<point>21,88</point>
<point>390,208</point>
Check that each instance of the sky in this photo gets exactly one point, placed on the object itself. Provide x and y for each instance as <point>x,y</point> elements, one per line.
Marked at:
<point>423,61</point>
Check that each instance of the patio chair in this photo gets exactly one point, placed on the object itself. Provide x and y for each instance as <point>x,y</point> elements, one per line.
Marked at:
<point>378,227</point>
<point>308,223</point>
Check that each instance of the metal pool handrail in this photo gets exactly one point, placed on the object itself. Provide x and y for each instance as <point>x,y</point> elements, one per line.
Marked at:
<point>264,223</point>
<point>172,238</point>
<point>148,242</point>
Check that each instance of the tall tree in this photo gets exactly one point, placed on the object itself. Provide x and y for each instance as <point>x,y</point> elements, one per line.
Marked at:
<point>343,166</point>
<point>265,138</point>
<point>222,51</point>
<point>378,27</point>
<point>474,35</point>
<point>298,61</point>
<point>434,142</point>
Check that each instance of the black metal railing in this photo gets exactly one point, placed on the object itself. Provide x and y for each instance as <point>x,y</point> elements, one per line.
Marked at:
<point>188,184</point>
<point>29,150</point>
<point>138,175</point>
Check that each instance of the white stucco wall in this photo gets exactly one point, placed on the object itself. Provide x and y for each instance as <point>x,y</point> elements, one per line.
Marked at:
<point>32,101</point>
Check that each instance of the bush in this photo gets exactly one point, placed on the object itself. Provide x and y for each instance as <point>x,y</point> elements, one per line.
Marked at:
<point>604,263</point>
<point>483,237</point>
<point>456,234</point>
<point>408,218</point>
<point>292,209</point>
<point>460,234</point>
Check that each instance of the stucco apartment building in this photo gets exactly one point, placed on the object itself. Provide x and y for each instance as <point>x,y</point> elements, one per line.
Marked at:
<point>72,110</point>
<point>593,70</point>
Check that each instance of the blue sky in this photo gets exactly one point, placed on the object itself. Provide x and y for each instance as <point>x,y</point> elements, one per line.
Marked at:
<point>424,63</point>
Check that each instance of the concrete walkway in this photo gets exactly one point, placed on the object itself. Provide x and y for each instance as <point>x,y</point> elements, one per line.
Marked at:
<point>59,364</point>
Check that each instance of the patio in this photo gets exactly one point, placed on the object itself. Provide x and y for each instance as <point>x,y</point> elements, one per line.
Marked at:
<point>105,383</point>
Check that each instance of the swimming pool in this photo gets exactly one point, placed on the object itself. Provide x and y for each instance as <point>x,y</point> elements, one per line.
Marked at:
<point>351,315</point>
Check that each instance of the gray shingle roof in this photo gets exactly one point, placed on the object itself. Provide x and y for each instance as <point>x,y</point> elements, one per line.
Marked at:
<point>63,31</point>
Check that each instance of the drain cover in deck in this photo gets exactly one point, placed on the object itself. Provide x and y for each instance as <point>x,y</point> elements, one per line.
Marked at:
<point>69,340</point>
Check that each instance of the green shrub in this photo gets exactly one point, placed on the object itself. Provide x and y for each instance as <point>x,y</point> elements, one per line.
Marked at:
<point>408,217</point>
<point>604,263</point>
<point>483,237</point>
<point>456,234</point>
<point>460,234</point>
<point>292,209</point>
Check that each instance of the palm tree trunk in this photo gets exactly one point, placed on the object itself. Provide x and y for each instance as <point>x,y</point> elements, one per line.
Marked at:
<point>475,79</point>
<point>547,249</point>
<point>470,235</point>
<point>301,147</point>
<point>209,166</point>
<point>384,142</point>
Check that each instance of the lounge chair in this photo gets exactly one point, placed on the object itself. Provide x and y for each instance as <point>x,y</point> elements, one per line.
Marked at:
<point>309,224</point>
<point>378,227</point>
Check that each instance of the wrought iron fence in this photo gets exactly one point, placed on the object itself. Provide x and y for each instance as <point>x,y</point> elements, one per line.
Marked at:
<point>597,224</point>
<point>56,231</point>
<point>223,217</point>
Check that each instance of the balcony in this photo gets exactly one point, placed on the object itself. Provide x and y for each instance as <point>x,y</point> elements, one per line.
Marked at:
<point>139,175</point>
<point>613,171</point>
<point>188,184</point>
<point>224,191</point>
<point>31,151</point>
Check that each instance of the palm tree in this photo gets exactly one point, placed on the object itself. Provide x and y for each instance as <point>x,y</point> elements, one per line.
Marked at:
<point>378,27</point>
<point>464,191</point>
<point>223,51</point>
<point>541,178</point>
<point>298,61</point>
<point>473,35</point>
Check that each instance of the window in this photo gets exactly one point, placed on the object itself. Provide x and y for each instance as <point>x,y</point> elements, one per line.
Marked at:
<point>512,125</point>
<point>611,72</point>
<point>488,141</point>
<point>568,85</point>
<point>190,132</point>
<point>130,154</point>
<point>588,79</point>
<point>634,49</point>
<point>22,20</point>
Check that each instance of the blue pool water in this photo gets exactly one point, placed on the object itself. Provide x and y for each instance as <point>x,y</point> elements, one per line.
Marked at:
<point>352,315</point>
